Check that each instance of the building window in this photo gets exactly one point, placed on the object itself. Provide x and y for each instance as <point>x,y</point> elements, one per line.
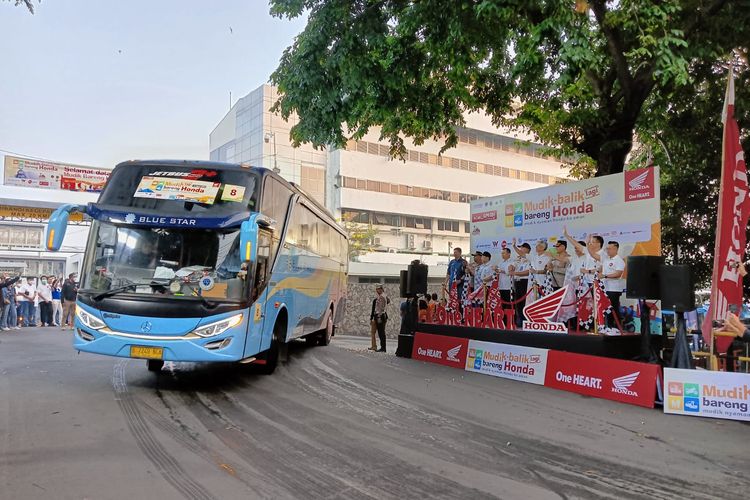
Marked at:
<point>467,227</point>
<point>382,219</point>
<point>360,217</point>
<point>361,184</point>
<point>448,225</point>
<point>350,182</point>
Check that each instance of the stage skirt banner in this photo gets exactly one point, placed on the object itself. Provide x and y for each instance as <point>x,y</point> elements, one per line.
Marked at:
<point>615,379</point>
<point>440,349</point>
<point>701,393</point>
<point>525,364</point>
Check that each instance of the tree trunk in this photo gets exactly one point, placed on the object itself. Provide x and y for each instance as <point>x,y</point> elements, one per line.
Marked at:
<point>614,149</point>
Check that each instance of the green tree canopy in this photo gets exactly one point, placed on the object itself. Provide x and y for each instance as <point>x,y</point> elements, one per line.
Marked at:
<point>577,74</point>
<point>684,133</point>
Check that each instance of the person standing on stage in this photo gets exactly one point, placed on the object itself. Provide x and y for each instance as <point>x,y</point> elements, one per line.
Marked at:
<point>585,261</point>
<point>538,267</point>
<point>520,275</point>
<point>595,246</point>
<point>613,267</point>
<point>504,280</point>
<point>456,273</point>
<point>559,263</point>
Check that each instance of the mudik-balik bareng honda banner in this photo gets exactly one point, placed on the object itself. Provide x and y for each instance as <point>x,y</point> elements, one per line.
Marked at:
<point>622,208</point>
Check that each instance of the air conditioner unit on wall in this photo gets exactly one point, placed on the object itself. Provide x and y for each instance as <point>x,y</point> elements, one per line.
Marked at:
<point>376,241</point>
<point>426,244</point>
<point>410,241</point>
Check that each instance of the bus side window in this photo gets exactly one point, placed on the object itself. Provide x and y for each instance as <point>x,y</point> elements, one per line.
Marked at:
<point>261,266</point>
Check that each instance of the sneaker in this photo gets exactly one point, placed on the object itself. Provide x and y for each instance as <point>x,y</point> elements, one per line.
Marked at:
<point>5,329</point>
<point>17,328</point>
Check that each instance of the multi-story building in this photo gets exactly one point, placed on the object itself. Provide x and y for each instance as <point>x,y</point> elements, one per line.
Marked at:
<point>417,206</point>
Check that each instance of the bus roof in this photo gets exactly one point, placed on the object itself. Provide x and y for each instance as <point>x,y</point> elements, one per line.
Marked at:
<point>218,165</point>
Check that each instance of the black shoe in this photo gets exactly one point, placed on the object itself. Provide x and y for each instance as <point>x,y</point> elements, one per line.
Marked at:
<point>381,350</point>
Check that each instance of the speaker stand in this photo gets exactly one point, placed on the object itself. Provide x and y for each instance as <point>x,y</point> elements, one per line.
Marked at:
<point>648,353</point>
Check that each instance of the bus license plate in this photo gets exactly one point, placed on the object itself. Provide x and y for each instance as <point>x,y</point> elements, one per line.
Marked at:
<point>137,351</point>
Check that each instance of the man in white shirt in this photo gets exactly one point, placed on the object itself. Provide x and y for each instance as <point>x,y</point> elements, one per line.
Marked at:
<point>26,298</point>
<point>613,267</point>
<point>587,264</point>
<point>504,280</point>
<point>44,294</point>
<point>538,271</point>
<point>520,275</point>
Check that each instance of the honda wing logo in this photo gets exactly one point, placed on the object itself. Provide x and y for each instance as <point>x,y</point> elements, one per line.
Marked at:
<point>621,385</point>
<point>636,183</point>
<point>453,354</point>
<point>540,313</point>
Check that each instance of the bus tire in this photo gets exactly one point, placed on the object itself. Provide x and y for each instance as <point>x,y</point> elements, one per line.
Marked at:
<point>154,365</point>
<point>271,356</point>
<point>325,336</point>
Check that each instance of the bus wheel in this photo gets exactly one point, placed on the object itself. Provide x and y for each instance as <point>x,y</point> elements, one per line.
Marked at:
<point>271,356</point>
<point>154,365</point>
<point>325,335</point>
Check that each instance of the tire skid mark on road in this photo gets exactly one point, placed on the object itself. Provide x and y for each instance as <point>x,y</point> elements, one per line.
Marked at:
<point>190,439</point>
<point>281,472</point>
<point>336,459</point>
<point>164,462</point>
<point>557,462</point>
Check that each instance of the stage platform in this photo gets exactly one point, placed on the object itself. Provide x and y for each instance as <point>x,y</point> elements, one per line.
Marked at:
<point>620,346</point>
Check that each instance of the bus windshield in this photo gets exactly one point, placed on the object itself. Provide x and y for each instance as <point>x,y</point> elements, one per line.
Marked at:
<point>198,263</point>
<point>181,190</point>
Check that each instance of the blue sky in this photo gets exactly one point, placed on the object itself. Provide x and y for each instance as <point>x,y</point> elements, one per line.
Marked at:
<point>67,93</point>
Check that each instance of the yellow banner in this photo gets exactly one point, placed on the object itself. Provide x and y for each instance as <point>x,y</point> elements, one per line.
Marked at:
<point>33,213</point>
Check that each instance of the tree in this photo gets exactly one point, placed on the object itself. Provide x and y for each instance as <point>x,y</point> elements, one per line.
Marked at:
<point>577,78</point>
<point>360,238</point>
<point>28,3</point>
<point>684,132</point>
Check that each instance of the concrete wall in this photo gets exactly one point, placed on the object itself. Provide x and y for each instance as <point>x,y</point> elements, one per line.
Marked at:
<point>359,305</point>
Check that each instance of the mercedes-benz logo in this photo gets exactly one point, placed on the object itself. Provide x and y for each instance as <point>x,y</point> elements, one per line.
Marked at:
<point>146,327</point>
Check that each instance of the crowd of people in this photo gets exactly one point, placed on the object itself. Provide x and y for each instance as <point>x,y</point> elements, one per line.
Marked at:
<point>523,276</point>
<point>47,301</point>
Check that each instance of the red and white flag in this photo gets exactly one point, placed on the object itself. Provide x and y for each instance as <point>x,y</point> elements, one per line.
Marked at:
<point>734,209</point>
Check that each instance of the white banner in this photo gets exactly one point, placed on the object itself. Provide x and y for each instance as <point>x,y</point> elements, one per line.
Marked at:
<point>621,207</point>
<point>525,364</point>
<point>702,393</point>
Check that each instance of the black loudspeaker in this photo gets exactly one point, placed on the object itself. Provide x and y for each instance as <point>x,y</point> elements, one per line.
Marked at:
<point>402,284</point>
<point>677,292</point>
<point>643,277</point>
<point>416,279</point>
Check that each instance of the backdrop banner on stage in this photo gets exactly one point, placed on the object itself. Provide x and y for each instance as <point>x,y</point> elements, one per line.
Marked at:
<point>622,208</point>
<point>703,393</point>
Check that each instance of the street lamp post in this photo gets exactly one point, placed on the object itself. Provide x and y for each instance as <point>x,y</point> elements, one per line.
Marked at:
<point>267,138</point>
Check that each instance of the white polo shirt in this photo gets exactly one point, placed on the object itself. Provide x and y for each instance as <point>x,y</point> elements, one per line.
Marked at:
<point>504,281</point>
<point>609,266</point>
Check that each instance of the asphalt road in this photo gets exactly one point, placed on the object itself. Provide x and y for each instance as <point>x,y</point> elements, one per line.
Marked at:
<point>334,422</point>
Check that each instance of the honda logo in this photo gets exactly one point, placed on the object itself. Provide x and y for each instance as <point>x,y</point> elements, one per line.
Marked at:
<point>621,385</point>
<point>540,313</point>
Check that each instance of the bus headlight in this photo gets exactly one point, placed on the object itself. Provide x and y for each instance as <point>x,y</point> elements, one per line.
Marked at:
<point>89,320</point>
<point>219,327</point>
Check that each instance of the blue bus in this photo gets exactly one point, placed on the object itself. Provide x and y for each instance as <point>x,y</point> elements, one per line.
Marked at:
<point>205,261</point>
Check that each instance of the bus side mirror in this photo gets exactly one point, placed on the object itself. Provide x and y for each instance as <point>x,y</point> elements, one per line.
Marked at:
<point>248,236</point>
<point>57,225</point>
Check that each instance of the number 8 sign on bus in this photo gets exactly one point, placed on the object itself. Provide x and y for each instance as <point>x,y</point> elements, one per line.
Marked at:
<point>232,193</point>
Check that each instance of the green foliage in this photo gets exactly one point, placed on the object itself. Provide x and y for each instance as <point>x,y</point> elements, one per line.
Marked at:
<point>578,81</point>
<point>28,3</point>
<point>684,131</point>
<point>360,238</point>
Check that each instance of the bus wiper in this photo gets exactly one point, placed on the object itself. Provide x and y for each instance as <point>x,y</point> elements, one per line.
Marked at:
<point>124,288</point>
<point>115,291</point>
<point>206,304</point>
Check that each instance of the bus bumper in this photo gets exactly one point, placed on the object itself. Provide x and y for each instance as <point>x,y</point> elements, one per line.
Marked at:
<point>227,347</point>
